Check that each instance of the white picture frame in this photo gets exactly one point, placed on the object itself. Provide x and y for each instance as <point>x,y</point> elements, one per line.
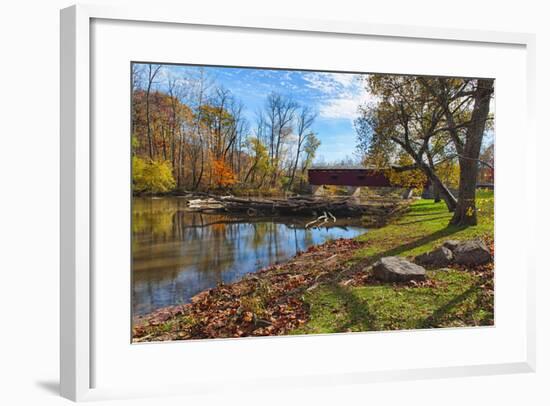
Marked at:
<point>77,283</point>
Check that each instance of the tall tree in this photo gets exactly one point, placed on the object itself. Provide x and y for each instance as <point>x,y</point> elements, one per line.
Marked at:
<point>280,112</point>
<point>466,105</point>
<point>304,121</point>
<point>152,72</point>
<point>310,150</point>
<point>201,89</point>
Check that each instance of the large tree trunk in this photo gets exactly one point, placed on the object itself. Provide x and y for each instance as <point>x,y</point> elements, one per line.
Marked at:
<point>440,188</point>
<point>437,192</point>
<point>437,195</point>
<point>465,213</point>
<point>444,191</point>
<point>293,173</point>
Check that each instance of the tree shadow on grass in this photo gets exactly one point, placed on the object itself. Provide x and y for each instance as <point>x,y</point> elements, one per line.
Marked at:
<point>422,220</point>
<point>356,309</point>
<point>435,319</point>
<point>424,214</point>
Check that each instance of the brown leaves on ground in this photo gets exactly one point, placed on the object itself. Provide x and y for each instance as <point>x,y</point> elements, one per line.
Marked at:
<point>267,302</point>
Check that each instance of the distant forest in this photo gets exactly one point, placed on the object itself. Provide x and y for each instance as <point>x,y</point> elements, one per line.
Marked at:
<point>190,133</point>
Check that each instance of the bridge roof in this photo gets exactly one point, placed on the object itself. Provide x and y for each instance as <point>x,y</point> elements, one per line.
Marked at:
<point>342,168</point>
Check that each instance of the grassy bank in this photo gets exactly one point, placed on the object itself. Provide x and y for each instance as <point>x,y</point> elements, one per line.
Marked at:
<point>330,288</point>
<point>453,297</point>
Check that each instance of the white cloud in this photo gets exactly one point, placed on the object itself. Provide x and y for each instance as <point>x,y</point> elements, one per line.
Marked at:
<point>339,108</point>
<point>321,82</point>
<point>345,79</point>
<point>345,105</point>
<point>341,94</point>
<point>330,82</point>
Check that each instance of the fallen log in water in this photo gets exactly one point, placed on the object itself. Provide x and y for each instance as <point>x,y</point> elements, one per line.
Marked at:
<point>204,204</point>
<point>322,208</point>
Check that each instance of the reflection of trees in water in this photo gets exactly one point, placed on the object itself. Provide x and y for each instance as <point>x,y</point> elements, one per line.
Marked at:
<point>177,253</point>
<point>216,242</point>
<point>153,217</point>
<point>258,236</point>
<point>308,237</point>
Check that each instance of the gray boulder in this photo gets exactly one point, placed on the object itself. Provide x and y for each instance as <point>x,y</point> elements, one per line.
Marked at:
<point>472,253</point>
<point>441,256</point>
<point>396,269</point>
<point>451,244</point>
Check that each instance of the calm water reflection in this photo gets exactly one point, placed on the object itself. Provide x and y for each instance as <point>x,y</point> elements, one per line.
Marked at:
<point>177,253</point>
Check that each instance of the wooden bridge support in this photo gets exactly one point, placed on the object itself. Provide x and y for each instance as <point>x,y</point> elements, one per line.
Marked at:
<point>317,190</point>
<point>354,191</point>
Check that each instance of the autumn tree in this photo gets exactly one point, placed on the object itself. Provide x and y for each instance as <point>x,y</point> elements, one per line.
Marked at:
<point>200,85</point>
<point>406,118</point>
<point>304,121</point>
<point>310,149</point>
<point>279,113</point>
<point>434,120</point>
<point>152,72</point>
<point>466,107</point>
<point>222,174</point>
<point>259,166</point>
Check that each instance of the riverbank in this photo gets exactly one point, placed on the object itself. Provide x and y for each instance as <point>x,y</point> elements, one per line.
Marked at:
<point>329,288</point>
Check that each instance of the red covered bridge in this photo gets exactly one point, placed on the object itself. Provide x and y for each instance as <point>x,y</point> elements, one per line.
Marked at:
<point>352,177</point>
<point>355,177</point>
<point>347,177</point>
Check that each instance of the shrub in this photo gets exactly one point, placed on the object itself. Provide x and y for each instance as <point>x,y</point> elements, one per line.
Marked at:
<point>149,176</point>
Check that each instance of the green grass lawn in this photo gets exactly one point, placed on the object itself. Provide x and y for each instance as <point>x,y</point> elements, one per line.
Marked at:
<point>454,298</point>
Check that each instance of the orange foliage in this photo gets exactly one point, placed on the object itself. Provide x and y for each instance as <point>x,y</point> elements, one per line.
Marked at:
<point>222,174</point>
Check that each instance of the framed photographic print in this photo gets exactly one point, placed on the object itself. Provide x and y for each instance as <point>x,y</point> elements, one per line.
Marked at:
<point>318,195</point>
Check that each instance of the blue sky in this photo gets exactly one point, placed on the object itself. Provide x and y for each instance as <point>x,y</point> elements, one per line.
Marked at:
<point>334,96</point>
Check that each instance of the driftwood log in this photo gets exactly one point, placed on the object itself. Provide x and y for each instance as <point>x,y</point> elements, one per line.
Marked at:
<point>298,206</point>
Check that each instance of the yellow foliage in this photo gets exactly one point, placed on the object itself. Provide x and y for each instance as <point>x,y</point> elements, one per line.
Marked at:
<point>152,176</point>
<point>449,173</point>
<point>414,179</point>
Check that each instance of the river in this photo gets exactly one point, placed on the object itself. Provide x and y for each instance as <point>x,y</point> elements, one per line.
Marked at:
<point>177,253</point>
